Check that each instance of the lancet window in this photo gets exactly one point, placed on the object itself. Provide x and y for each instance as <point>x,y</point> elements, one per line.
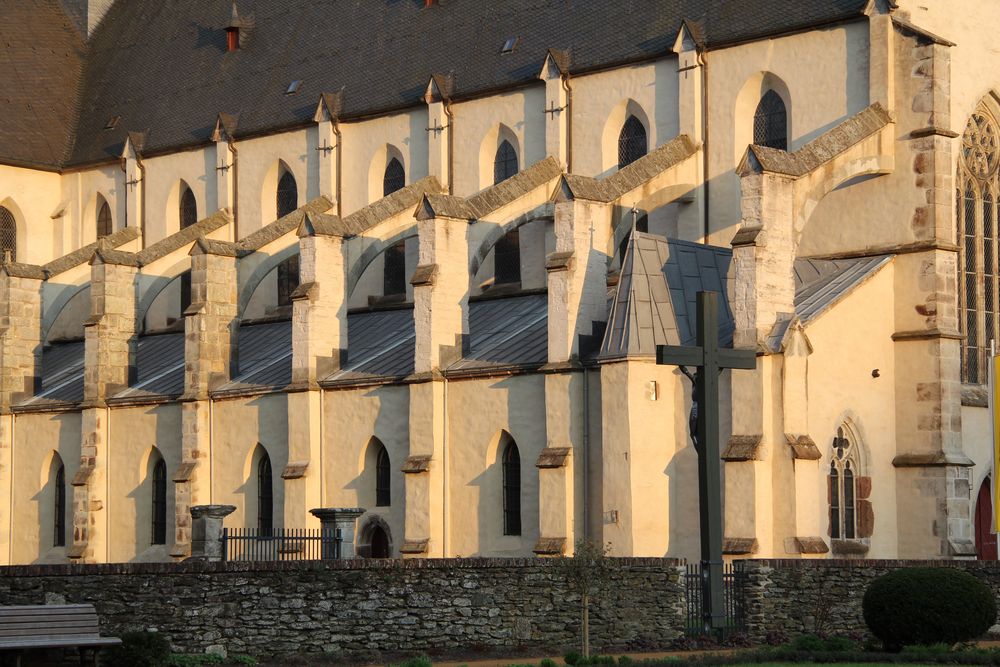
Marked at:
<point>511,490</point>
<point>770,122</point>
<point>843,488</point>
<point>159,503</point>
<point>8,235</point>
<point>505,162</point>
<point>394,178</point>
<point>632,142</point>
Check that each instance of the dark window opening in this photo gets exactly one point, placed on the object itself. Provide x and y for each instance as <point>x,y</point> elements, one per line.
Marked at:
<point>632,142</point>
<point>105,227</point>
<point>265,497</point>
<point>394,272</point>
<point>382,471</point>
<point>394,178</point>
<point>507,259</point>
<point>160,503</point>
<point>770,122</point>
<point>59,510</point>
<point>380,543</point>
<point>189,208</point>
<point>288,280</point>
<point>185,291</point>
<point>288,194</point>
<point>641,225</point>
<point>505,162</point>
<point>511,490</point>
<point>8,235</point>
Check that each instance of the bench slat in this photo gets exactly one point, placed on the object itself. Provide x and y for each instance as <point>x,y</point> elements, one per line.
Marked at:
<point>59,642</point>
<point>46,609</point>
<point>51,626</point>
<point>42,629</point>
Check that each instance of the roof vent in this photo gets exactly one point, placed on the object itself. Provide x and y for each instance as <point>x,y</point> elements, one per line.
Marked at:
<point>508,46</point>
<point>293,87</point>
<point>236,22</point>
<point>112,122</point>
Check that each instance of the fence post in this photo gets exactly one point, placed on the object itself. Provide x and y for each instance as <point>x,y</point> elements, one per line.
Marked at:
<point>206,532</point>
<point>337,522</point>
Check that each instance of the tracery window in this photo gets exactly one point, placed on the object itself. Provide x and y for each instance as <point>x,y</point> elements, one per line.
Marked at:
<point>770,122</point>
<point>843,488</point>
<point>59,508</point>
<point>265,496</point>
<point>188,208</point>
<point>382,490</point>
<point>104,224</point>
<point>507,258</point>
<point>159,503</point>
<point>511,490</point>
<point>8,235</point>
<point>288,194</point>
<point>632,142</point>
<point>394,179</point>
<point>394,270</point>
<point>976,221</point>
<point>505,162</point>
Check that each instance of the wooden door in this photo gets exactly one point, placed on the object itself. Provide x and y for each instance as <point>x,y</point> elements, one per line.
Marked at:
<point>986,539</point>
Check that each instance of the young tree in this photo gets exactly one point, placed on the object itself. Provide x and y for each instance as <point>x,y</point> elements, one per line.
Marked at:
<point>587,571</point>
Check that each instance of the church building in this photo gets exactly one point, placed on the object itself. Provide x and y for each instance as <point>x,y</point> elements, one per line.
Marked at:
<point>416,257</point>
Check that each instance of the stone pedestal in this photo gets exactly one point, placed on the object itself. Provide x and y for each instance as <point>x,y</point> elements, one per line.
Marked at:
<point>206,531</point>
<point>338,519</point>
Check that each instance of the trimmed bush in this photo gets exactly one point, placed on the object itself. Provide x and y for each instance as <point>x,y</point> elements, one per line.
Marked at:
<point>925,605</point>
<point>139,649</point>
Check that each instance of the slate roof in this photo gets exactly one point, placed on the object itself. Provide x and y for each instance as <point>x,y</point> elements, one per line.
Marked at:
<point>656,298</point>
<point>159,361</point>
<point>62,375</point>
<point>380,345</point>
<point>506,333</point>
<point>819,283</point>
<point>164,66</point>
<point>264,357</point>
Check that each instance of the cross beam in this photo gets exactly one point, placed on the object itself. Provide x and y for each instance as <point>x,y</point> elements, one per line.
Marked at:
<point>710,360</point>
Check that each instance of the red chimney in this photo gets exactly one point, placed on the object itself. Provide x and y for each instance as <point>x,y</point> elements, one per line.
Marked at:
<point>233,30</point>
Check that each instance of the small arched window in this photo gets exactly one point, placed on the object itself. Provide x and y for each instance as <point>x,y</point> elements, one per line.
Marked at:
<point>770,122</point>
<point>632,142</point>
<point>265,496</point>
<point>8,235</point>
<point>188,207</point>
<point>105,227</point>
<point>394,179</point>
<point>511,490</point>
<point>159,502</point>
<point>288,280</point>
<point>383,496</point>
<point>507,259</point>
<point>843,490</point>
<point>288,194</point>
<point>394,271</point>
<point>59,507</point>
<point>505,162</point>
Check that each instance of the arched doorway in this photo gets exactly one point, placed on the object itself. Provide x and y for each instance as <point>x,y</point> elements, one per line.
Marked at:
<point>986,539</point>
<point>380,543</point>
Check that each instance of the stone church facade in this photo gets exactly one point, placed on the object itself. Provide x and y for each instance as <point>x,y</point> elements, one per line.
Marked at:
<point>416,257</point>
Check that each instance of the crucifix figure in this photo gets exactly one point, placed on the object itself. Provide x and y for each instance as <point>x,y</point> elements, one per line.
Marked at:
<point>709,361</point>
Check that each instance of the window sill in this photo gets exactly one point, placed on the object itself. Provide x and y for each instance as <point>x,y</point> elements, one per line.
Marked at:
<point>857,547</point>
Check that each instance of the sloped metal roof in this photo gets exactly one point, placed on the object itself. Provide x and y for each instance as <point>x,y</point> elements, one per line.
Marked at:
<point>655,301</point>
<point>264,356</point>
<point>505,333</point>
<point>819,283</point>
<point>380,345</point>
<point>62,374</point>
<point>159,363</point>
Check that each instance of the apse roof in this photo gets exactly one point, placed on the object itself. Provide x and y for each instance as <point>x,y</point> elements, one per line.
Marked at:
<point>165,67</point>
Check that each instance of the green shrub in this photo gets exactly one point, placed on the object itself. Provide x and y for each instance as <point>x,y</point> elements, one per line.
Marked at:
<point>419,661</point>
<point>139,649</point>
<point>547,662</point>
<point>572,657</point>
<point>247,660</point>
<point>194,660</point>
<point>622,660</point>
<point>923,605</point>
<point>840,644</point>
<point>808,643</point>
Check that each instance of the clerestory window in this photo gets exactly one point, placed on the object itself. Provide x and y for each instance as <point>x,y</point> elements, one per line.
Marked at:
<point>770,122</point>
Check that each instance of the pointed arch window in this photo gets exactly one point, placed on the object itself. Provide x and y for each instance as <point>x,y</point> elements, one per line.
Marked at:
<point>288,194</point>
<point>632,142</point>
<point>105,226</point>
<point>394,179</point>
<point>770,122</point>
<point>288,280</point>
<point>843,488</point>
<point>511,490</point>
<point>507,259</point>
<point>188,207</point>
<point>505,162</point>
<point>265,496</point>
<point>976,222</point>
<point>59,507</point>
<point>159,503</point>
<point>383,496</point>
<point>394,270</point>
<point>8,234</point>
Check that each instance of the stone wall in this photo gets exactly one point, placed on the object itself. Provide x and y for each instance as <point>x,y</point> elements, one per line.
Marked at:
<point>366,607</point>
<point>796,597</point>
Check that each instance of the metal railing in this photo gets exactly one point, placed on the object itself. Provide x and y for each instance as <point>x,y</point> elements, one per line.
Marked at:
<point>734,580</point>
<point>251,544</point>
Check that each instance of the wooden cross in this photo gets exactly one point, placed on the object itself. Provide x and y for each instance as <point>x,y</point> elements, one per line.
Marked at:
<point>437,127</point>
<point>552,110</point>
<point>710,360</point>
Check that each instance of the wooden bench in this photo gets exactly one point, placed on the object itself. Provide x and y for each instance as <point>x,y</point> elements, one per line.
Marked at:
<point>51,626</point>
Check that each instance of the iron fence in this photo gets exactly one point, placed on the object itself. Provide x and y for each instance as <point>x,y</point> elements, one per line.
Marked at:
<point>252,544</point>
<point>734,586</point>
